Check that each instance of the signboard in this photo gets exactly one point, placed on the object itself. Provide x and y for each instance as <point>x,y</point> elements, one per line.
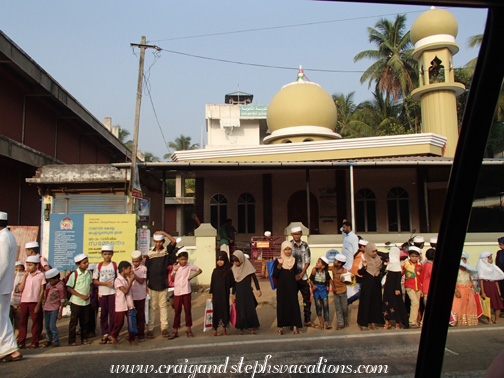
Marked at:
<point>137,189</point>
<point>262,244</point>
<point>71,234</point>
<point>253,111</point>
<point>143,210</point>
<point>143,240</point>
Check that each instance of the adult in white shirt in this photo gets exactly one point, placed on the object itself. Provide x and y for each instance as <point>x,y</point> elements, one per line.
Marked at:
<point>9,350</point>
<point>350,243</point>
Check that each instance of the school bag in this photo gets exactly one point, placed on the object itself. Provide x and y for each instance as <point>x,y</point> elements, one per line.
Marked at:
<point>65,281</point>
<point>114,264</point>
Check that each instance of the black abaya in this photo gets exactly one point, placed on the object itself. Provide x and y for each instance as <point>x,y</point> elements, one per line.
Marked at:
<point>393,305</point>
<point>288,312</point>
<point>219,288</point>
<point>370,300</point>
<point>246,315</point>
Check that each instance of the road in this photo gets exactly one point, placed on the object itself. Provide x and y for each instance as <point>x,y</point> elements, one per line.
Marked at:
<point>469,351</point>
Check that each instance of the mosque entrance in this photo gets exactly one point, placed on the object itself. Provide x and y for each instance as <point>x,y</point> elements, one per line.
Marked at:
<point>298,211</point>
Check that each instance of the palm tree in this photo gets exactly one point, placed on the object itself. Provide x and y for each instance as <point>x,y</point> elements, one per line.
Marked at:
<point>394,70</point>
<point>150,157</point>
<point>381,115</point>
<point>122,135</point>
<point>348,125</point>
<point>473,41</point>
<point>181,143</point>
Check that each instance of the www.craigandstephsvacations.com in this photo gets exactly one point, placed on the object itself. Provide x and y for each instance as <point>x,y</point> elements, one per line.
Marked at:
<point>249,367</point>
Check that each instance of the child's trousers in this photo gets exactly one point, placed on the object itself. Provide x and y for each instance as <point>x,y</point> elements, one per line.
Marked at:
<point>107,311</point>
<point>118,324</point>
<point>79,314</point>
<point>50,326</point>
<point>140,310</point>
<point>341,305</point>
<point>322,303</point>
<point>28,310</point>
<point>414,296</point>
<point>182,300</point>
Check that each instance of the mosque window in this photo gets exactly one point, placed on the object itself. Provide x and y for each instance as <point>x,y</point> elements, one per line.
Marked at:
<point>365,211</point>
<point>398,210</point>
<point>308,140</point>
<point>218,210</point>
<point>286,141</point>
<point>246,213</point>
<point>436,71</point>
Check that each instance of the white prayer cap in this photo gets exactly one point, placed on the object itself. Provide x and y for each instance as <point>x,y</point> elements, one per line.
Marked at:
<point>182,250</point>
<point>3,215</point>
<point>92,267</point>
<point>418,239</point>
<point>296,229</point>
<point>31,245</point>
<point>33,259</point>
<point>51,273</point>
<point>340,257</point>
<point>267,233</point>
<point>136,255</point>
<point>158,237</point>
<point>18,263</point>
<point>433,241</point>
<point>324,259</point>
<point>363,242</point>
<point>413,248</point>
<point>107,248</point>
<point>80,257</point>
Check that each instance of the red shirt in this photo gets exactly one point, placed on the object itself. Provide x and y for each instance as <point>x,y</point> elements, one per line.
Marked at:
<point>427,272</point>
<point>413,275</point>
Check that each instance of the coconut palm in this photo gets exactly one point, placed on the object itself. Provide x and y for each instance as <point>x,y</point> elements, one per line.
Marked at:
<point>394,70</point>
<point>150,157</point>
<point>181,143</point>
<point>348,125</point>
<point>381,115</point>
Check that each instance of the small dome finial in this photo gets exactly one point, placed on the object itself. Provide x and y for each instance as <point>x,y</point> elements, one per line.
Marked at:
<point>300,75</point>
<point>432,7</point>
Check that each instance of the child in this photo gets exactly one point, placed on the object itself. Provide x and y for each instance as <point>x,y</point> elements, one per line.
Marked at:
<point>394,309</point>
<point>464,305</point>
<point>284,270</point>
<point>427,272</point>
<point>243,273</point>
<point>139,292</point>
<point>104,277</point>
<point>15,310</point>
<point>222,281</point>
<point>33,249</point>
<point>320,280</point>
<point>32,287</point>
<point>55,297</point>
<point>80,285</point>
<point>490,275</point>
<point>340,291</point>
<point>123,301</point>
<point>181,276</point>
<point>413,270</point>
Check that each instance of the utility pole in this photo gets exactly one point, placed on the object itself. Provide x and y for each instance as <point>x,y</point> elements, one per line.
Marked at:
<point>142,47</point>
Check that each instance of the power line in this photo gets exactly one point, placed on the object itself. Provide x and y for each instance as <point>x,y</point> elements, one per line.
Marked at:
<point>257,64</point>
<point>284,26</point>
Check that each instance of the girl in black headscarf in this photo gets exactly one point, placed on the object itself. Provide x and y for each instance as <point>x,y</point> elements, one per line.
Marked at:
<point>222,281</point>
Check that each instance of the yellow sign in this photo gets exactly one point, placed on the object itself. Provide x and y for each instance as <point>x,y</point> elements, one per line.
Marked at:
<point>118,230</point>
<point>262,244</point>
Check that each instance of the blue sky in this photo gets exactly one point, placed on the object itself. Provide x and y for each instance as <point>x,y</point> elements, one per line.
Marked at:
<point>85,46</point>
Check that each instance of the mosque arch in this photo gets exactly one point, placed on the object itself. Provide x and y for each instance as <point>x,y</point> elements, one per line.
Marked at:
<point>218,210</point>
<point>398,210</point>
<point>246,213</point>
<point>365,211</point>
<point>297,210</point>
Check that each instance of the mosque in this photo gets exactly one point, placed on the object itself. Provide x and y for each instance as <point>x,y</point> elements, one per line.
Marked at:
<point>268,166</point>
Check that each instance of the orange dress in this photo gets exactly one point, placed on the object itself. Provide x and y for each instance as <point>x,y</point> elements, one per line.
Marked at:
<point>464,308</point>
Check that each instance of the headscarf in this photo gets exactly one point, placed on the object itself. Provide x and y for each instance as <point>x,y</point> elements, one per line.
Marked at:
<point>466,264</point>
<point>288,262</point>
<point>374,264</point>
<point>394,264</point>
<point>487,271</point>
<point>246,268</point>
<point>224,269</point>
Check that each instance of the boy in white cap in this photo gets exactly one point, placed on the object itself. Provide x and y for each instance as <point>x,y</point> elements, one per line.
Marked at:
<point>104,277</point>
<point>32,249</point>
<point>32,288</point>
<point>9,350</point>
<point>157,263</point>
<point>302,254</point>
<point>139,291</point>
<point>15,312</point>
<point>55,298</point>
<point>340,291</point>
<point>80,285</point>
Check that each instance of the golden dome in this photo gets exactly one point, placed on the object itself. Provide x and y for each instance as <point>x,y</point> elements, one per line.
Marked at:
<point>301,104</point>
<point>433,22</point>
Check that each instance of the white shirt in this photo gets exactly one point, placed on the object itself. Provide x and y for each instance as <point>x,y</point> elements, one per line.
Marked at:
<point>107,273</point>
<point>350,246</point>
<point>8,252</point>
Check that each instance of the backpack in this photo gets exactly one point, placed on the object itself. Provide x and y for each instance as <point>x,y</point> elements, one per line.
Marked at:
<point>114,264</point>
<point>65,281</point>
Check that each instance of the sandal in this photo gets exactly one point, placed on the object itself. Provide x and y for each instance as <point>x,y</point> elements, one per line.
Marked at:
<point>224,332</point>
<point>104,340</point>
<point>397,326</point>
<point>309,324</point>
<point>280,331</point>
<point>252,331</point>
<point>150,335</point>
<point>189,334</point>
<point>173,335</point>
<point>214,333</point>
<point>387,326</point>
<point>327,326</point>
<point>364,328</point>
<point>86,342</point>
<point>9,358</point>
<point>316,326</point>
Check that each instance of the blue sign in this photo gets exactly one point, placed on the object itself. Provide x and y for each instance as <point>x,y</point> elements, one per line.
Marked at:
<point>66,240</point>
<point>331,255</point>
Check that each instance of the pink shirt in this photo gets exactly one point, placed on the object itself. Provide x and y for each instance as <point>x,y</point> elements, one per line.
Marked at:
<point>122,302</point>
<point>139,291</point>
<point>32,287</point>
<point>54,296</point>
<point>182,285</point>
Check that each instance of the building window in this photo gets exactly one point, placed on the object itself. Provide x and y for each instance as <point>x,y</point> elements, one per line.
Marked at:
<point>246,214</point>
<point>365,211</point>
<point>218,210</point>
<point>286,141</point>
<point>308,140</point>
<point>398,210</point>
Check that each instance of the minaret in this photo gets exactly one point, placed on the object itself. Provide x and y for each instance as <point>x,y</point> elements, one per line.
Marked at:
<point>433,34</point>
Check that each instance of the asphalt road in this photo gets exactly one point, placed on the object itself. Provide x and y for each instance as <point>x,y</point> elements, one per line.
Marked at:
<point>469,351</point>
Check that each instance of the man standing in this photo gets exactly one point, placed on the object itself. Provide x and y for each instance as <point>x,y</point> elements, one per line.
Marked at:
<point>9,350</point>
<point>157,263</point>
<point>227,236</point>
<point>350,243</point>
<point>301,252</point>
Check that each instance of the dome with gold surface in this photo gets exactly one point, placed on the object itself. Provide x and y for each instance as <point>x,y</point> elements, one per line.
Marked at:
<point>301,111</point>
<point>434,22</point>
